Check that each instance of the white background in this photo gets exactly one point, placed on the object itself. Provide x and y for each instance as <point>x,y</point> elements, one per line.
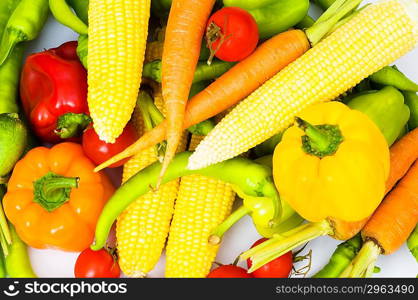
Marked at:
<point>49,263</point>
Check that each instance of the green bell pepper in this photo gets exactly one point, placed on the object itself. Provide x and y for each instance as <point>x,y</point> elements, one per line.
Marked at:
<point>386,108</point>
<point>273,16</point>
<point>411,99</point>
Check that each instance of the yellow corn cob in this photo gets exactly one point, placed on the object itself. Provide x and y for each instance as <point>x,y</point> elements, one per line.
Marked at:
<point>201,205</point>
<point>154,51</point>
<point>142,229</point>
<point>377,36</point>
<point>117,36</point>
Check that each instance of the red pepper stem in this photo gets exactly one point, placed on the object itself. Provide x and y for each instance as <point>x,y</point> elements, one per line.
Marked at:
<point>51,190</point>
<point>217,234</point>
<point>71,125</point>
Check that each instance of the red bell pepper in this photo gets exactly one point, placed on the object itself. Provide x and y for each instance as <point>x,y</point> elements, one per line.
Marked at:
<point>53,90</point>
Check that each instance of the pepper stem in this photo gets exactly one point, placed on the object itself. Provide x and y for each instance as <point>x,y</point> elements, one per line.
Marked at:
<point>71,125</point>
<point>320,140</point>
<point>51,190</point>
<point>363,264</point>
<point>281,244</point>
<point>217,234</point>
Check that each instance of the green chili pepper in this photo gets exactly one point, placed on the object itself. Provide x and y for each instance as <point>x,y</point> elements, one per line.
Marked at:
<point>24,24</point>
<point>203,71</point>
<point>82,49</point>
<point>252,181</point>
<point>341,258</point>
<point>64,14</point>
<point>386,108</point>
<point>412,243</point>
<point>5,235</point>
<point>393,77</point>
<point>9,80</point>
<point>411,99</point>
<point>273,16</point>
<point>10,70</point>
<point>17,261</point>
<point>81,8</point>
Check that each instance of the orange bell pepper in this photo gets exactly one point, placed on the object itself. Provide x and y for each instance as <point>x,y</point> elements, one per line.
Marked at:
<point>54,198</point>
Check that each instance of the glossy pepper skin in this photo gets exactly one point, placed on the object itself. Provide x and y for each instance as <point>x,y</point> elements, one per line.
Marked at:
<point>54,198</point>
<point>386,108</point>
<point>53,90</point>
<point>336,167</point>
<point>273,16</point>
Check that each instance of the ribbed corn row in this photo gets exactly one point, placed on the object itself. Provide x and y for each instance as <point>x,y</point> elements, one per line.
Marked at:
<point>118,32</point>
<point>201,205</point>
<point>142,229</point>
<point>377,36</point>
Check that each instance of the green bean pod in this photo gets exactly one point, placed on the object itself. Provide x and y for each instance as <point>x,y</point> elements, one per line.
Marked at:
<point>25,24</point>
<point>252,181</point>
<point>341,258</point>
<point>412,243</point>
<point>203,71</point>
<point>64,14</point>
<point>17,262</point>
<point>411,99</point>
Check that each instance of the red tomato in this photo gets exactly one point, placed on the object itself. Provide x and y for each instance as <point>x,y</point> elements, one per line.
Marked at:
<point>278,268</point>
<point>229,271</point>
<point>239,30</point>
<point>99,151</point>
<point>96,264</point>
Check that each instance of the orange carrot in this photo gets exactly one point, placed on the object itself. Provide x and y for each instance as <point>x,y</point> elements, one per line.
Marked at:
<point>396,216</point>
<point>233,86</point>
<point>183,39</point>
<point>389,227</point>
<point>402,154</point>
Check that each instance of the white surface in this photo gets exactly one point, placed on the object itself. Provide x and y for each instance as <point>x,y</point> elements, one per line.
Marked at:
<point>49,263</point>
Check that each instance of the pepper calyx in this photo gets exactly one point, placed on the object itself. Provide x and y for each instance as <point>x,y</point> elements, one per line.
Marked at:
<point>320,140</point>
<point>52,190</point>
<point>71,125</point>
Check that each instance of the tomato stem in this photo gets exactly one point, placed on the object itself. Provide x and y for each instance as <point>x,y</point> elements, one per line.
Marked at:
<point>213,34</point>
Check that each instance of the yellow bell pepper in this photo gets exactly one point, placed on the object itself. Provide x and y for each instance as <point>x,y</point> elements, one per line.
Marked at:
<point>335,168</point>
